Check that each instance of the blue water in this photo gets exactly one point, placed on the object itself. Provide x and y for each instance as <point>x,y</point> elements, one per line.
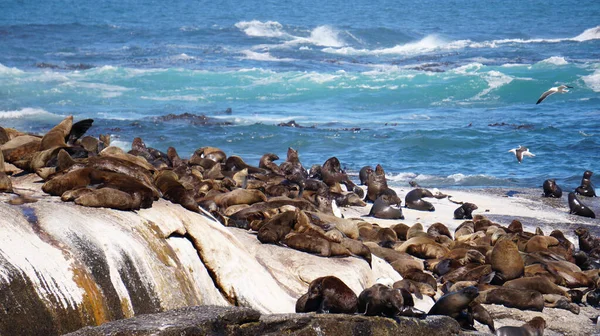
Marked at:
<point>411,85</point>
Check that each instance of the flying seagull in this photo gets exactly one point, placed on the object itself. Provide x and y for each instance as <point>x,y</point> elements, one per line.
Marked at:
<point>553,90</point>
<point>520,152</point>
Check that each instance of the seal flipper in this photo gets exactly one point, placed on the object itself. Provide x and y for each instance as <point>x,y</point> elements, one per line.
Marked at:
<point>78,130</point>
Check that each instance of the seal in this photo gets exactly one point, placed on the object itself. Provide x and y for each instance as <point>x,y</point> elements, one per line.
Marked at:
<point>551,189</point>
<point>332,174</point>
<point>380,300</point>
<point>465,211</point>
<point>413,200</point>
<point>5,182</point>
<point>417,288</point>
<point>538,283</point>
<point>586,188</point>
<point>364,173</point>
<point>439,229</point>
<point>506,261</point>
<point>383,209</point>
<point>328,294</point>
<point>376,183</point>
<point>423,247</point>
<point>576,207</point>
<point>452,304</point>
<point>540,243</point>
<point>535,327</point>
<point>523,299</point>
<point>266,162</point>
<point>587,242</point>
<point>172,190</point>
<point>315,244</point>
<point>294,171</point>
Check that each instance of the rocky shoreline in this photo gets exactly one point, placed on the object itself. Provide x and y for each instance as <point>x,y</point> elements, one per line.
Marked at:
<point>212,231</point>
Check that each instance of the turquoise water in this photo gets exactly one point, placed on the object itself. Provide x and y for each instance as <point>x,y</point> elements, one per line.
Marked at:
<point>411,86</point>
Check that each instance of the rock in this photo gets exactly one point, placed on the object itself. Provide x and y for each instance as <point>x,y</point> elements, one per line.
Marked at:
<point>211,320</point>
<point>64,266</point>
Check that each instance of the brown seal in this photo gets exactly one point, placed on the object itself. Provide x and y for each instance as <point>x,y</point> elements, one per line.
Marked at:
<point>276,228</point>
<point>240,196</point>
<point>415,287</point>
<point>586,188</point>
<point>538,283</point>
<point>168,183</point>
<point>315,244</point>
<point>535,327</point>
<point>506,261</point>
<point>523,299</point>
<point>376,183</point>
<point>364,173</point>
<point>551,189</point>
<point>5,182</point>
<point>106,198</point>
<point>413,200</point>
<point>266,162</point>
<point>437,229</point>
<point>423,247</point>
<point>452,304</point>
<point>328,294</point>
<point>540,243</point>
<point>383,209</point>
<point>380,300</point>
<point>465,211</point>
<point>576,207</point>
<point>587,242</point>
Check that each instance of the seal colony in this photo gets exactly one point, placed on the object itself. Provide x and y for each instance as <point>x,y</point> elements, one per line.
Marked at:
<point>481,262</point>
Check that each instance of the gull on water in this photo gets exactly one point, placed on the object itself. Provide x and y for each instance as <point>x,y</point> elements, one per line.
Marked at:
<point>560,89</point>
<point>520,152</point>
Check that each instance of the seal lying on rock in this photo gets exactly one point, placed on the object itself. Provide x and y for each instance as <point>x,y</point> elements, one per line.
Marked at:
<point>535,327</point>
<point>328,294</point>
<point>380,300</point>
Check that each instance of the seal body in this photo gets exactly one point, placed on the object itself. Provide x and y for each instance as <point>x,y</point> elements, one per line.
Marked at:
<point>380,300</point>
<point>551,189</point>
<point>383,209</point>
<point>453,303</point>
<point>413,200</point>
<point>328,294</point>
<point>576,207</point>
<point>465,211</point>
<point>586,188</point>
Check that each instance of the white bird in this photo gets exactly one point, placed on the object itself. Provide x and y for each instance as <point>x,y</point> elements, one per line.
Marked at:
<point>520,152</point>
<point>560,89</point>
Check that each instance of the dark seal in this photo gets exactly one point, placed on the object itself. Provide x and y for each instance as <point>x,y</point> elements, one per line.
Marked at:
<point>465,211</point>
<point>413,200</point>
<point>576,207</point>
<point>551,189</point>
<point>328,294</point>
<point>586,188</point>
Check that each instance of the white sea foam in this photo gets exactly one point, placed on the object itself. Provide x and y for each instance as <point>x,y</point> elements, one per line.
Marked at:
<point>316,77</point>
<point>556,60</point>
<point>257,28</point>
<point>25,112</point>
<point>468,68</point>
<point>182,57</point>
<point>4,70</point>
<point>264,57</point>
<point>323,36</point>
<point>106,90</point>
<point>495,80</point>
<point>588,34</point>
<point>593,81</point>
<point>176,98</point>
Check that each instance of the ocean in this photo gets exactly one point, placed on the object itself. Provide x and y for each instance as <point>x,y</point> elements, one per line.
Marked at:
<point>434,91</point>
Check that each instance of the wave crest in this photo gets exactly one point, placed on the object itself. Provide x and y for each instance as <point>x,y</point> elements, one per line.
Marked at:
<point>257,28</point>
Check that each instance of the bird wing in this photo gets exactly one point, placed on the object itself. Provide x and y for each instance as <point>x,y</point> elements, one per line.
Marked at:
<point>528,153</point>
<point>544,95</point>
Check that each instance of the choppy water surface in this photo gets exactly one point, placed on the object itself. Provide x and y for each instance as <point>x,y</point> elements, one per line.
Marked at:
<point>434,91</point>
